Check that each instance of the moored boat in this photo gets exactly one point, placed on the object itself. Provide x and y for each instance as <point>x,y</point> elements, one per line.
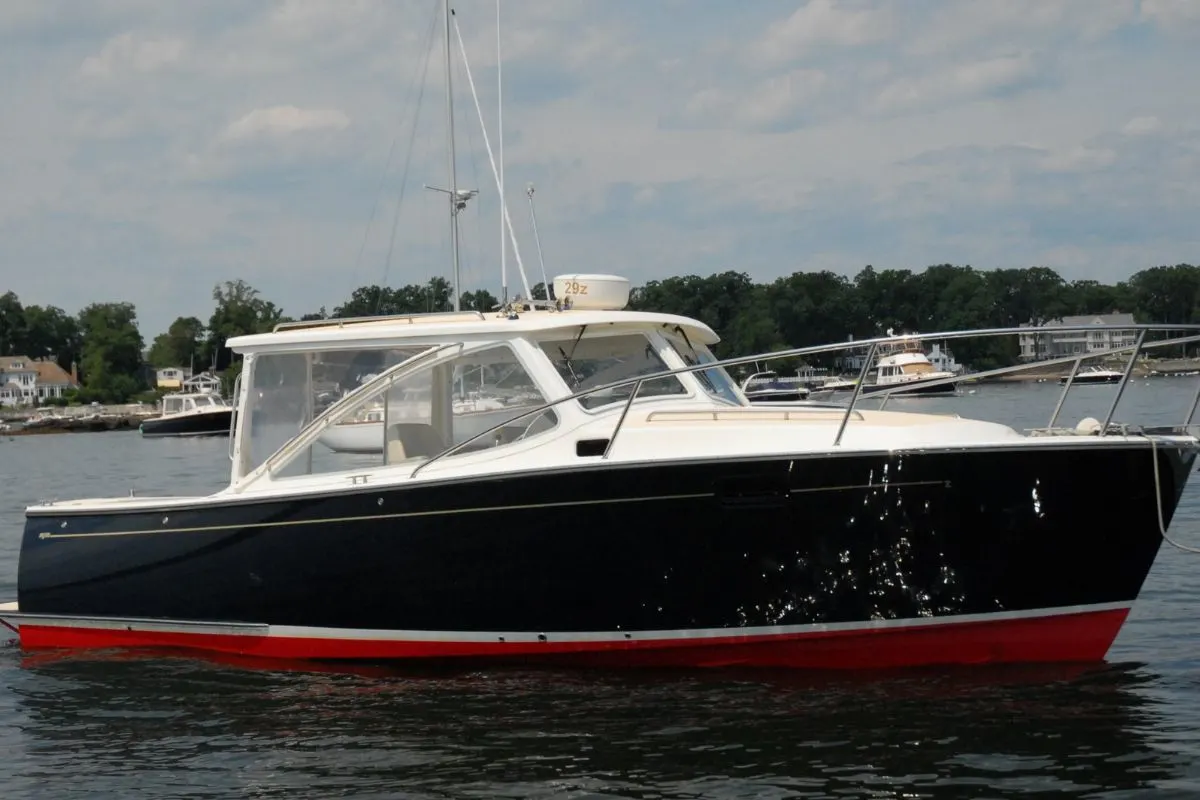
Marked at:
<point>904,369</point>
<point>1092,375</point>
<point>190,414</point>
<point>766,387</point>
<point>642,512</point>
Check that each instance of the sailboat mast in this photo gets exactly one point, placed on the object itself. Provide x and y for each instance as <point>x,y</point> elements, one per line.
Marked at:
<point>453,167</point>
<point>500,138</point>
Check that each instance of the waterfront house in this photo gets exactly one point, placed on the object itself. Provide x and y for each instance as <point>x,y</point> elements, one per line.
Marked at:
<point>171,378</point>
<point>1036,346</point>
<point>24,381</point>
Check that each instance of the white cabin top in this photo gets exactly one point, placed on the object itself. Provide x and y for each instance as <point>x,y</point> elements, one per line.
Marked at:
<point>595,301</point>
<point>192,401</point>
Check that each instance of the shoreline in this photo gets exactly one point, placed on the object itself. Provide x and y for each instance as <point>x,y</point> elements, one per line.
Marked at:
<point>76,419</point>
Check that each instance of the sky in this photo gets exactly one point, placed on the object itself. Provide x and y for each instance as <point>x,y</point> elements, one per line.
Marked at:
<point>151,150</point>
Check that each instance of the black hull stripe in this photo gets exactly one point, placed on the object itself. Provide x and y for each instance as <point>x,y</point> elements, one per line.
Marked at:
<point>441,512</point>
<point>365,634</point>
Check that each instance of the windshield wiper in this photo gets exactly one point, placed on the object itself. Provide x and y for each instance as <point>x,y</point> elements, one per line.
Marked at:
<point>567,357</point>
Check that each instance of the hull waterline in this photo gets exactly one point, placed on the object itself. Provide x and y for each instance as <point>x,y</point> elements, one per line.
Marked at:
<point>863,561</point>
<point>1072,635</point>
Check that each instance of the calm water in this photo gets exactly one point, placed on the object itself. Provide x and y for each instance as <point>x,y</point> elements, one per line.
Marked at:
<point>151,726</point>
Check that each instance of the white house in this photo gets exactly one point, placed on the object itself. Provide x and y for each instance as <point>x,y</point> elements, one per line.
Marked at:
<point>24,381</point>
<point>171,377</point>
<point>1040,346</point>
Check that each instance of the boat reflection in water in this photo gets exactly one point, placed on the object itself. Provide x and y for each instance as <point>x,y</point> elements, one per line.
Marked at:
<point>994,731</point>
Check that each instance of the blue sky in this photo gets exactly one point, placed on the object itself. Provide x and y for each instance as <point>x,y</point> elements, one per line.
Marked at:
<point>150,150</point>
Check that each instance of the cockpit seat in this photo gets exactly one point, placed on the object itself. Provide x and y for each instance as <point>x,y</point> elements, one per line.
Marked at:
<point>412,440</point>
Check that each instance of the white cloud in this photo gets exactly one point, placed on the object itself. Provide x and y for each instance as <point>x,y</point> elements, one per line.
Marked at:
<point>967,25</point>
<point>283,121</point>
<point>133,52</point>
<point>961,82</point>
<point>823,22</point>
<point>1173,16</point>
<point>1077,159</point>
<point>188,143</point>
<point>771,101</point>
<point>1140,126</point>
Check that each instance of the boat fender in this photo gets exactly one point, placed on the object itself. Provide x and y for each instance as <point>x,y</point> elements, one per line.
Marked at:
<point>1088,426</point>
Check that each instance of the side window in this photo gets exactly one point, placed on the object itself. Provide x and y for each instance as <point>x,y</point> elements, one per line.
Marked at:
<point>716,381</point>
<point>411,418</point>
<point>287,390</point>
<point>596,361</point>
<point>493,387</point>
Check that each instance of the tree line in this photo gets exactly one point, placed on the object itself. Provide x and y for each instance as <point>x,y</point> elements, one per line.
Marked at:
<point>103,341</point>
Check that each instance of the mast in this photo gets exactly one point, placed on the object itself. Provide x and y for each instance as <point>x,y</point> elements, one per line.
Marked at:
<point>500,180</point>
<point>453,167</point>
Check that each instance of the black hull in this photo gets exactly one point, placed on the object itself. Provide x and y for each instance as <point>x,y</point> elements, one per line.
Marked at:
<point>215,423</point>
<point>725,546</point>
<point>778,396</point>
<point>1083,380</point>
<point>913,388</point>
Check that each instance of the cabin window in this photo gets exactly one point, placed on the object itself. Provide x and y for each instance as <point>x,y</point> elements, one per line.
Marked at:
<point>715,381</point>
<point>596,361</point>
<point>286,391</point>
<point>411,418</point>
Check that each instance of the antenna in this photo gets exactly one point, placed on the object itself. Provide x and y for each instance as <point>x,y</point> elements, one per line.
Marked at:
<point>500,180</point>
<point>538,240</point>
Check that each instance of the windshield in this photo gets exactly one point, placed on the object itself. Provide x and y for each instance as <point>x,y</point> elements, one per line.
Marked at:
<point>716,381</point>
<point>588,362</point>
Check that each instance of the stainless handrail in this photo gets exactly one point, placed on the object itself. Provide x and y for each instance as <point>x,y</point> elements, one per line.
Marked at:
<point>862,376</point>
<point>233,417</point>
<point>1062,398</point>
<point>872,345</point>
<point>1137,348</point>
<point>338,322</point>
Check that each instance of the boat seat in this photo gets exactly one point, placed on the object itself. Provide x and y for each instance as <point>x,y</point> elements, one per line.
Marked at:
<point>412,440</point>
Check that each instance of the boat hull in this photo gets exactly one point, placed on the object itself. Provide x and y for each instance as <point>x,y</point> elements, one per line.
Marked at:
<point>920,388</point>
<point>210,423</point>
<point>1091,379</point>
<point>881,560</point>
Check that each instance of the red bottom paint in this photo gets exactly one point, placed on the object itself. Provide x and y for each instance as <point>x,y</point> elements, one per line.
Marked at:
<point>1076,637</point>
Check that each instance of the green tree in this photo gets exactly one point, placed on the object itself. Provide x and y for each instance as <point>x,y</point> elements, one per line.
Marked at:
<point>12,323</point>
<point>1167,294</point>
<point>49,332</point>
<point>179,346</point>
<point>480,300</point>
<point>112,351</point>
<point>240,310</point>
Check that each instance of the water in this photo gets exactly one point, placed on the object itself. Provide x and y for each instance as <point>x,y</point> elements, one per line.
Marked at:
<point>139,725</point>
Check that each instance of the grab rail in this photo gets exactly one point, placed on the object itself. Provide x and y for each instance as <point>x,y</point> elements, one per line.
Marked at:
<point>872,347</point>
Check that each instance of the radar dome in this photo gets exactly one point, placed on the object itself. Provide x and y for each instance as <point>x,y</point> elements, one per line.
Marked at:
<point>592,291</point>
